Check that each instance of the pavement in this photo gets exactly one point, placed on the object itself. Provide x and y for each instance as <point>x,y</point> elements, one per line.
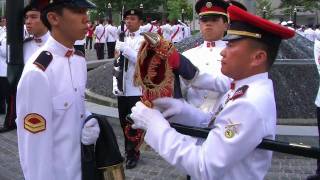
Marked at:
<point>153,167</point>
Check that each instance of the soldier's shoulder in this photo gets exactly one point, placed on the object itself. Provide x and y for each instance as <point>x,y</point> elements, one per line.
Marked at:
<point>43,60</point>
<point>79,53</point>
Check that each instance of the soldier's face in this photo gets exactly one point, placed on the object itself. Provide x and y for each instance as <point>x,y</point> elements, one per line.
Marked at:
<point>212,28</point>
<point>34,24</point>
<point>237,59</point>
<point>133,23</point>
<point>71,24</point>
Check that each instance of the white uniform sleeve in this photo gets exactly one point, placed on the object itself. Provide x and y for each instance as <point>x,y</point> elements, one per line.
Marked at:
<point>219,83</point>
<point>131,54</point>
<point>3,48</point>
<point>35,149</point>
<point>217,154</point>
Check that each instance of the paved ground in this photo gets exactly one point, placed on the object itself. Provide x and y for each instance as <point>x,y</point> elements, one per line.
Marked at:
<point>152,166</point>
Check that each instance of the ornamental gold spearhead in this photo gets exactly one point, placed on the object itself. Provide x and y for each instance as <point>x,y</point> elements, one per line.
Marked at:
<point>152,38</point>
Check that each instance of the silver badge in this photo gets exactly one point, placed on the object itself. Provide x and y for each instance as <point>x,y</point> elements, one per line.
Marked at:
<point>132,12</point>
<point>209,4</point>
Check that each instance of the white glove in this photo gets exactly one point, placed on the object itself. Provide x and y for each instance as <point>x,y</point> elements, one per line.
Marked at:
<point>143,117</point>
<point>90,132</point>
<point>121,46</point>
<point>168,106</point>
<point>181,112</point>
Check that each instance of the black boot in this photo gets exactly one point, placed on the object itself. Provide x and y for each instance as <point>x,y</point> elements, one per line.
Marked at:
<point>132,159</point>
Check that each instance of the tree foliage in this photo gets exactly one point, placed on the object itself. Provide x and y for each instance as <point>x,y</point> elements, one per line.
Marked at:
<point>171,8</point>
<point>264,6</point>
<point>303,5</point>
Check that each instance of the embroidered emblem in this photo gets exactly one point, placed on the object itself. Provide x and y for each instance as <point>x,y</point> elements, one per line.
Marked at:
<point>34,123</point>
<point>231,129</point>
<point>209,4</point>
<point>240,92</point>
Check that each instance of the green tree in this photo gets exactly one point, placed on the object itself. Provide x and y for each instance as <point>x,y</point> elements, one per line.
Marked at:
<point>264,6</point>
<point>307,5</point>
<point>175,7</point>
<point>171,8</point>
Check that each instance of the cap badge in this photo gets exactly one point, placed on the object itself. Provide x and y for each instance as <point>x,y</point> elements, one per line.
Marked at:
<point>51,1</point>
<point>209,4</point>
<point>132,12</point>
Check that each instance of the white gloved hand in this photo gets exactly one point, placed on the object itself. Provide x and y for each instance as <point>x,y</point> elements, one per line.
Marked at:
<point>143,117</point>
<point>90,132</point>
<point>121,46</point>
<point>178,111</point>
<point>168,106</point>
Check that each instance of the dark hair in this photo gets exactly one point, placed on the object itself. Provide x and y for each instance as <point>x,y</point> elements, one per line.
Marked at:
<point>270,49</point>
<point>57,9</point>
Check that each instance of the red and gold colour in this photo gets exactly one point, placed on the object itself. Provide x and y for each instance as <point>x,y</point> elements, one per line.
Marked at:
<point>153,72</point>
<point>34,123</point>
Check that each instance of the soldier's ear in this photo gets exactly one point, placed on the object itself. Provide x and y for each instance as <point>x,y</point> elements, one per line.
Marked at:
<point>53,18</point>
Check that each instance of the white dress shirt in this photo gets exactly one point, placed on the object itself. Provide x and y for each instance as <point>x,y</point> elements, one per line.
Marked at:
<point>207,59</point>
<point>32,45</point>
<point>57,95</point>
<point>230,150</point>
<point>101,34</point>
<point>131,53</point>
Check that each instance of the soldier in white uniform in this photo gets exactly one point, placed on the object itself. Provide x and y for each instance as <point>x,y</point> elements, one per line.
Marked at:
<point>3,71</point>
<point>213,20</point>
<point>36,28</point>
<point>317,101</point>
<point>130,94</point>
<point>176,32</point>
<point>112,37</point>
<point>166,30</point>
<point>50,98</point>
<point>7,92</point>
<point>101,36</point>
<point>309,33</point>
<point>246,115</point>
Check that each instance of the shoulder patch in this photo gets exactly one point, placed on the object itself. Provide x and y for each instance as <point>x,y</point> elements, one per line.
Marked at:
<point>240,92</point>
<point>43,60</point>
<point>28,39</point>
<point>34,123</point>
<point>79,53</point>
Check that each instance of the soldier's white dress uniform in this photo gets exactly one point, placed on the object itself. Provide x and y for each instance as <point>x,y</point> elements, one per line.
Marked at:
<point>149,28</point>
<point>134,41</point>
<point>51,113</point>
<point>317,61</point>
<point>229,152</point>
<point>176,33</point>
<point>3,54</point>
<point>31,45</point>
<point>166,31</point>
<point>204,99</point>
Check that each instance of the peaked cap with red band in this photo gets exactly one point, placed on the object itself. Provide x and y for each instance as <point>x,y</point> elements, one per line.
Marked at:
<point>246,25</point>
<point>45,4</point>
<point>211,7</point>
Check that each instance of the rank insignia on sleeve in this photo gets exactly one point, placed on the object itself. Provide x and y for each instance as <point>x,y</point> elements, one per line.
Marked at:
<point>34,123</point>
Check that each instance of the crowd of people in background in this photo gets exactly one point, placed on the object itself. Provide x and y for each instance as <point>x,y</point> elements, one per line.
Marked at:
<point>104,33</point>
<point>310,31</point>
